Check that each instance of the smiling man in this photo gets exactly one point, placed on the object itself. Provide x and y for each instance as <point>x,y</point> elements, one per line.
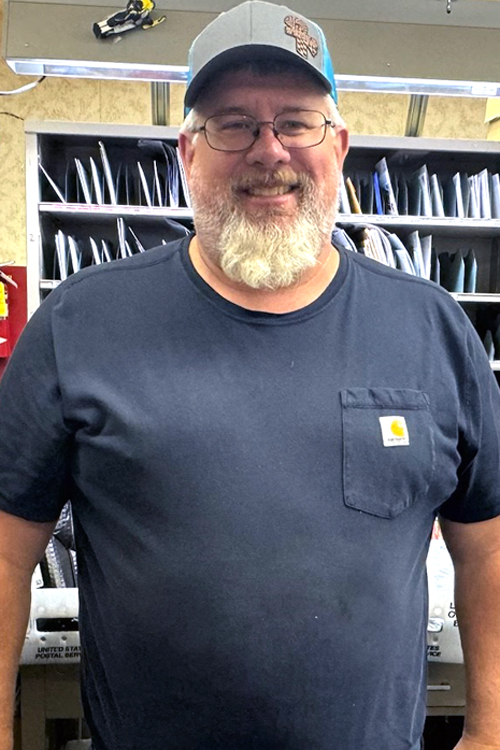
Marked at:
<point>254,479</point>
<point>265,185</point>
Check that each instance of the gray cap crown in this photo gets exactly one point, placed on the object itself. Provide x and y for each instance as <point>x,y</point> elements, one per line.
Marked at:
<point>258,30</point>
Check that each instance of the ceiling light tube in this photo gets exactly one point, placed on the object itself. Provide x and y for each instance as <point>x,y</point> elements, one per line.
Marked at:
<point>179,73</point>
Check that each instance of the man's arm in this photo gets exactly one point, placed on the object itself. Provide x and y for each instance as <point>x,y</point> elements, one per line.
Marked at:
<point>22,544</point>
<point>475,550</point>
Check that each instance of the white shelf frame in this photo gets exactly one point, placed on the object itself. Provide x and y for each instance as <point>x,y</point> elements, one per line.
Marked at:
<point>448,225</point>
<point>85,209</point>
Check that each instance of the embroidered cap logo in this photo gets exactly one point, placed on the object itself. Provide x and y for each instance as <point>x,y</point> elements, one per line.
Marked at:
<point>305,43</point>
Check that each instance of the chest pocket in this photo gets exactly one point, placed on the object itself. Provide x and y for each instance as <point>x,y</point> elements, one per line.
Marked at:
<point>388,449</point>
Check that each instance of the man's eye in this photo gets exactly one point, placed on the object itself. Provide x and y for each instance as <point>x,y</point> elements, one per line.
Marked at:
<point>235,125</point>
<point>292,126</point>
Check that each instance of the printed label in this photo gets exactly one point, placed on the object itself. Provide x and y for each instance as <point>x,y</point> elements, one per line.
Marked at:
<point>394,431</point>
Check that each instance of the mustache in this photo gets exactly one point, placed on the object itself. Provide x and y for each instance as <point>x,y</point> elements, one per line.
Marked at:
<point>277,178</point>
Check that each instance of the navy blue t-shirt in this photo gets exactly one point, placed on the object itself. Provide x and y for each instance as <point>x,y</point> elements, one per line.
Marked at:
<point>253,496</point>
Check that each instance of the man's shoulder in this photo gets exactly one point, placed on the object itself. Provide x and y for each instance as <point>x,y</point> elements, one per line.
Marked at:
<point>140,269</point>
<point>391,295</point>
<point>161,254</point>
<point>397,279</point>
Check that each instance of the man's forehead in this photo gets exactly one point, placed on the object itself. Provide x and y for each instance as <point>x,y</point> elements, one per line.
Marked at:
<point>232,88</point>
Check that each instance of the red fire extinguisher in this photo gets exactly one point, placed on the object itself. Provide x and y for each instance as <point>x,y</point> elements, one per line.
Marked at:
<point>5,337</point>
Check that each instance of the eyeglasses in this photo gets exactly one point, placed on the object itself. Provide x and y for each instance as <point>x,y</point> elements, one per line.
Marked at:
<point>300,128</point>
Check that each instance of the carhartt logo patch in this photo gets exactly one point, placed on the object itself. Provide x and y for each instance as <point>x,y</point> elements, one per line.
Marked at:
<point>304,41</point>
<point>394,431</point>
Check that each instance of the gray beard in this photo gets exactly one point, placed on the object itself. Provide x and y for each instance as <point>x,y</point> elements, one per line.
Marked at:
<point>265,249</point>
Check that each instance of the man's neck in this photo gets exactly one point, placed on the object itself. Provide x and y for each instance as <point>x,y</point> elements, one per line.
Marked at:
<point>310,286</point>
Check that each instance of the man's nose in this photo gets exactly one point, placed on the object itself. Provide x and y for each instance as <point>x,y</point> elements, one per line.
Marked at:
<point>267,149</point>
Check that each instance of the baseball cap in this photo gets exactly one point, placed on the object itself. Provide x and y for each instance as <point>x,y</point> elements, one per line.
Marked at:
<point>258,30</point>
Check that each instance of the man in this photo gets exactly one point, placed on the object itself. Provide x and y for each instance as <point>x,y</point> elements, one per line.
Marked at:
<point>256,431</point>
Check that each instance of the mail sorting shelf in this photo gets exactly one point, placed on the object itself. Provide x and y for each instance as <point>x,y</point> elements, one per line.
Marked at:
<point>57,145</point>
<point>456,171</point>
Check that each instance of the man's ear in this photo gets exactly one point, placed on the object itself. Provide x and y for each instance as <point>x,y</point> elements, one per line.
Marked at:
<point>186,148</point>
<point>341,143</point>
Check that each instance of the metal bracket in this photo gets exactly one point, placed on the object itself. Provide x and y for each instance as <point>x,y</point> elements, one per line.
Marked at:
<point>417,110</point>
<point>160,102</point>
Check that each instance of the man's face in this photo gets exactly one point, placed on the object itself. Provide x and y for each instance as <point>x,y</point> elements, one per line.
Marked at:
<point>265,214</point>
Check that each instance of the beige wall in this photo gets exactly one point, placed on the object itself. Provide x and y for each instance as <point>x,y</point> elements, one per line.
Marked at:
<point>385,114</point>
<point>455,117</point>
<point>374,114</point>
<point>123,102</point>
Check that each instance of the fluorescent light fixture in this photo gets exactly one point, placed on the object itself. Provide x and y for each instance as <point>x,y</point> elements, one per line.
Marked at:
<point>178,74</point>
<point>426,86</point>
<point>91,69</point>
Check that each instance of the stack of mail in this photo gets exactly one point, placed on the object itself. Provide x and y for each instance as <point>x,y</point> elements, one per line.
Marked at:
<point>73,253</point>
<point>156,179</point>
<point>421,193</point>
<point>456,272</point>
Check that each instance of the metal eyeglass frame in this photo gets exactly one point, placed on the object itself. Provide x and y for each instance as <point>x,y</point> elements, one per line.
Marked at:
<point>258,125</point>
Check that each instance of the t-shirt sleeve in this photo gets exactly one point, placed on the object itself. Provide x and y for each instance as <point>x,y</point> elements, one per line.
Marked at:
<point>34,439</point>
<point>477,495</point>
